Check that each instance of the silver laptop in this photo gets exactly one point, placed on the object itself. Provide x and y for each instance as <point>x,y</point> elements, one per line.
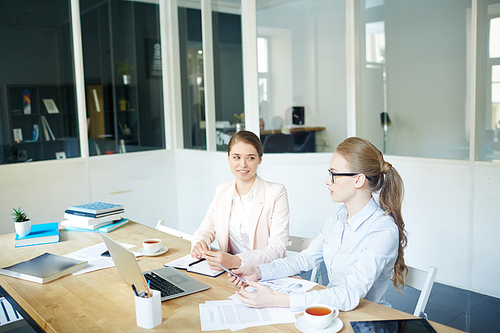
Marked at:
<point>129,270</point>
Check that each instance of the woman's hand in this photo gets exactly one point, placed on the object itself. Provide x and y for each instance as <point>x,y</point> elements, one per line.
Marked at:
<point>249,273</point>
<point>216,258</point>
<point>198,250</point>
<point>264,297</point>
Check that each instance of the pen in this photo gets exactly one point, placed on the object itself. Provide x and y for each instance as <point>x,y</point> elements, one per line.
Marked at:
<point>195,262</point>
<point>227,270</point>
<point>149,283</point>
<point>135,291</point>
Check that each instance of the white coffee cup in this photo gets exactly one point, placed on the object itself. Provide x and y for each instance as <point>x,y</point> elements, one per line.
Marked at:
<point>151,245</point>
<point>319,316</point>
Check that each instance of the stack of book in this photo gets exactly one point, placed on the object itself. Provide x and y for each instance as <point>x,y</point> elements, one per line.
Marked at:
<point>94,217</point>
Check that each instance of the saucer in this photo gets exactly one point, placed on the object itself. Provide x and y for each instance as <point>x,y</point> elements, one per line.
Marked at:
<point>335,326</point>
<point>162,250</point>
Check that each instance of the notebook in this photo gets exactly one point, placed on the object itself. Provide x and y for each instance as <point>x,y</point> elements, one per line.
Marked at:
<point>44,268</point>
<point>129,270</point>
<point>194,265</point>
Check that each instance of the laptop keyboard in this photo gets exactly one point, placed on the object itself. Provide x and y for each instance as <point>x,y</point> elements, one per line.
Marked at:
<point>158,283</point>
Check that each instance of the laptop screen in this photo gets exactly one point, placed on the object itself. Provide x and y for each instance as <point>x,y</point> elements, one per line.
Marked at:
<point>125,262</point>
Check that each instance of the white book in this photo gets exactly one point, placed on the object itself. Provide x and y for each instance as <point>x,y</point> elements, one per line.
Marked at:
<point>47,127</point>
<point>45,130</point>
<point>84,220</point>
<point>79,224</point>
<point>18,135</point>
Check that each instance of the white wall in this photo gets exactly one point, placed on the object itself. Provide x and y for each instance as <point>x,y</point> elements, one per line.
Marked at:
<point>143,182</point>
<point>485,229</point>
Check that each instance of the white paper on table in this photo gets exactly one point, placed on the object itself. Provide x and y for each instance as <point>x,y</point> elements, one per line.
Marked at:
<point>92,255</point>
<point>288,285</point>
<point>284,285</point>
<point>233,315</point>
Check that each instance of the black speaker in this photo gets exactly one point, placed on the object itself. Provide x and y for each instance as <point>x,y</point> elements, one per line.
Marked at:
<point>298,115</point>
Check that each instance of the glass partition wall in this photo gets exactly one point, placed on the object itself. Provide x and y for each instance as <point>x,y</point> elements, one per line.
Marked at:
<point>227,77</point>
<point>302,75</point>
<point>413,67</point>
<point>415,94</point>
<point>488,81</point>
<point>123,76</point>
<point>37,87</point>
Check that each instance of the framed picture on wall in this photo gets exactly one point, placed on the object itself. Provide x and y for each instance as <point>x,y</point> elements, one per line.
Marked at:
<point>51,106</point>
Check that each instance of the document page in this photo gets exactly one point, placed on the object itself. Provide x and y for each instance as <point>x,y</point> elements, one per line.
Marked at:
<point>288,285</point>
<point>285,285</point>
<point>233,315</point>
<point>92,255</point>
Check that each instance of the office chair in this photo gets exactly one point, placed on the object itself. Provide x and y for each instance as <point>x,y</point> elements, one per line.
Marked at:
<point>278,143</point>
<point>309,144</point>
<point>162,227</point>
<point>297,244</point>
<point>423,281</point>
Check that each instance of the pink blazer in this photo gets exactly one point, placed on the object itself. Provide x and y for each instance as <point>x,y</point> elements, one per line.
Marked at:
<point>267,224</point>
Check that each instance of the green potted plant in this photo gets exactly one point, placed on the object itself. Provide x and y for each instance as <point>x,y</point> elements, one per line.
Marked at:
<point>124,68</point>
<point>21,222</point>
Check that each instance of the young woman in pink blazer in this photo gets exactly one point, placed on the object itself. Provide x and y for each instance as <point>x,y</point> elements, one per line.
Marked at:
<point>248,215</point>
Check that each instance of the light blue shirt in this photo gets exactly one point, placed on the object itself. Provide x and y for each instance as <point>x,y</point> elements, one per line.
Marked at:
<point>359,255</point>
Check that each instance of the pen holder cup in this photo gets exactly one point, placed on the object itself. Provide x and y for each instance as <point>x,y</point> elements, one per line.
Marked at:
<point>148,310</point>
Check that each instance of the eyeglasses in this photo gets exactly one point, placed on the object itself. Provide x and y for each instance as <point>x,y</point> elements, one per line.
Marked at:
<point>333,174</point>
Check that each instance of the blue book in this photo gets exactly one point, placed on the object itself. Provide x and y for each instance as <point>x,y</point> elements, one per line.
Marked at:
<point>96,207</point>
<point>104,229</point>
<point>43,233</point>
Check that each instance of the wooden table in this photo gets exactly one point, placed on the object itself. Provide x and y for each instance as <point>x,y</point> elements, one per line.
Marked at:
<point>101,301</point>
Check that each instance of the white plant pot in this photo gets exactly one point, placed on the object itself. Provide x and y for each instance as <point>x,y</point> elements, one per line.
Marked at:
<point>23,228</point>
<point>240,127</point>
<point>127,79</point>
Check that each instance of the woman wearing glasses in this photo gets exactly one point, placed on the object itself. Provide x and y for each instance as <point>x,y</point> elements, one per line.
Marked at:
<point>362,243</point>
<point>248,215</point>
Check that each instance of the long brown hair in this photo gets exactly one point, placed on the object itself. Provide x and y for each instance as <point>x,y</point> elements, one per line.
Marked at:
<point>248,138</point>
<point>363,157</point>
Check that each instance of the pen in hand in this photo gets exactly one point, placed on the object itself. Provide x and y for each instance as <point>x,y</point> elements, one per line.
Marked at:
<point>196,262</point>
<point>227,270</point>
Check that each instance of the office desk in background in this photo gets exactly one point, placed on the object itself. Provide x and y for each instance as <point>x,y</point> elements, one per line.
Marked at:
<point>302,139</point>
<point>101,301</point>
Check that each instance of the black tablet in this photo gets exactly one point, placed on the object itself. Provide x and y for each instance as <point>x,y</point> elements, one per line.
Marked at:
<point>393,326</point>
